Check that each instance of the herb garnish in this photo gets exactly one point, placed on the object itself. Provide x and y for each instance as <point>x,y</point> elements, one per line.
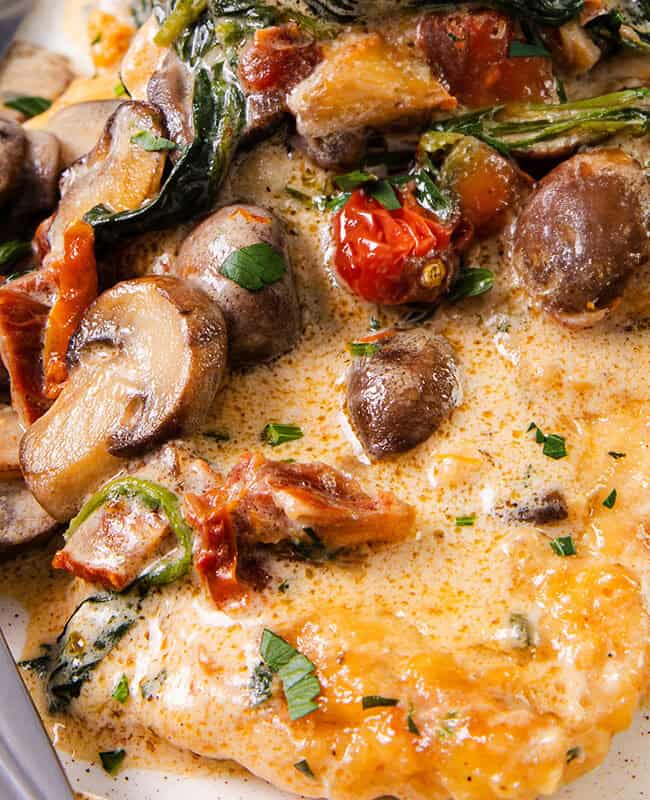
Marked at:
<point>410,722</point>
<point>377,701</point>
<point>119,90</point>
<point>610,500</point>
<point>121,690</point>
<point>471,283</point>
<point>527,50</point>
<point>554,444</point>
<point>465,522</point>
<point>13,251</point>
<point>616,455</point>
<point>448,727</point>
<point>572,754</point>
<point>276,433</point>
<point>353,180</point>
<point>149,689</point>
<point>563,546</point>
<point>363,348</point>
<point>300,684</point>
<point>28,106</point>
<point>112,760</point>
<point>522,635</point>
<point>303,766</point>
<point>255,266</point>
<point>152,143</point>
<point>383,193</point>
<point>260,684</point>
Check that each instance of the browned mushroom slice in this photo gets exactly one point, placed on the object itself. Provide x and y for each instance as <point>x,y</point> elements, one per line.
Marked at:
<point>38,190</point>
<point>79,126</point>
<point>118,173</point>
<point>145,366</point>
<point>32,71</point>
<point>10,433</point>
<point>401,390</point>
<point>13,144</point>
<point>262,323</point>
<point>582,233</point>
<point>22,520</point>
<point>271,501</point>
<point>171,89</point>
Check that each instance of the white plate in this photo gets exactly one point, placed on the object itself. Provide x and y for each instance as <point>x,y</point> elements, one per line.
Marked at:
<point>624,776</point>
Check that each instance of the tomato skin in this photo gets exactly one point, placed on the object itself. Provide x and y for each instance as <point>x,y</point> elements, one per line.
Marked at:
<point>278,58</point>
<point>470,50</point>
<point>381,254</point>
<point>76,278</point>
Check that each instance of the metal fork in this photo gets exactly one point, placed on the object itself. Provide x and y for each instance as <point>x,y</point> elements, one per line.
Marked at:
<point>29,767</point>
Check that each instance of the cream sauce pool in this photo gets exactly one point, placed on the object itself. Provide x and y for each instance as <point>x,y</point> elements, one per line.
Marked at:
<point>428,621</point>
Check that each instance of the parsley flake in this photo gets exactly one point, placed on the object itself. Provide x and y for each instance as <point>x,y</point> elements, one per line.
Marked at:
<point>465,522</point>
<point>361,349</point>
<point>616,455</point>
<point>300,685</point>
<point>303,766</point>
<point>28,106</point>
<point>554,445</point>
<point>112,760</point>
<point>410,722</point>
<point>151,143</point>
<point>121,690</point>
<point>377,701</point>
<point>471,283</point>
<point>563,546</point>
<point>572,754</point>
<point>610,500</point>
<point>255,266</point>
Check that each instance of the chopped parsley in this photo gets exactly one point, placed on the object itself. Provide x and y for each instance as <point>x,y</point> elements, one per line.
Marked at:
<point>610,500</point>
<point>261,684</point>
<point>377,701</point>
<point>353,180</point>
<point>28,106</point>
<point>112,760</point>
<point>360,349</point>
<point>554,445</point>
<point>276,433</point>
<point>119,90</point>
<point>465,522</point>
<point>297,673</point>
<point>13,251</point>
<point>572,754</point>
<point>471,283</point>
<point>616,455</point>
<point>383,192</point>
<point>410,722</point>
<point>563,546</point>
<point>121,690</point>
<point>303,766</point>
<point>218,436</point>
<point>152,143</point>
<point>283,587</point>
<point>255,266</point>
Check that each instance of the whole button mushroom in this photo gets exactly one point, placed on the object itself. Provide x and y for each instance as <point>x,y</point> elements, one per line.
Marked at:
<point>400,393</point>
<point>581,234</point>
<point>263,318</point>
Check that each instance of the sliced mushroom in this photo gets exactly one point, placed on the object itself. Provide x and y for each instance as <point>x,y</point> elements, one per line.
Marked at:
<point>401,392</point>
<point>145,365</point>
<point>22,520</point>
<point>171,89</point>
<point>581,234</point>
<point>78,127</point>
<point>10,433</point>
<point>39,186</point>
<point>538,509</point>
<point>13,144</point>
<point>118,172</point>
<point>32,71</point>
<point>261,324</point>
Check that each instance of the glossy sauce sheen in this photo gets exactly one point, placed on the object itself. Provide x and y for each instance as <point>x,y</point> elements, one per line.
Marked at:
<point>429,621</point>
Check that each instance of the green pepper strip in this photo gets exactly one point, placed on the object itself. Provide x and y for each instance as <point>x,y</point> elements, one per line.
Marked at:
<point>154,496</point>
<point>185,13</point>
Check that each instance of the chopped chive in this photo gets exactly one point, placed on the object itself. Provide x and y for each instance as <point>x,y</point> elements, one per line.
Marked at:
<point>610,500</point>
<point>119,90</point>
<point>377,701</point>
<point>465,522</point>
<point>28,106</point>
<point>563,546</point>
<point>410,722</point>
<point>572,754</point>
<point>276,433</point>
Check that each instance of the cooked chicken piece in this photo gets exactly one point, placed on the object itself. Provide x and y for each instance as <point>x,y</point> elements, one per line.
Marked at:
<point>28,70</point>
<point>364,81</point>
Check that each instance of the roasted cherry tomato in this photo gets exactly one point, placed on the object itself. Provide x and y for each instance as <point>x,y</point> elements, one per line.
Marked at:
<point>392,257</point>
<point>471,52</point>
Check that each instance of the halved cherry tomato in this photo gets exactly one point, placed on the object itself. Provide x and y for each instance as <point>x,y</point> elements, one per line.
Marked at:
<point>381,254</point>
<point>76,278</point>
